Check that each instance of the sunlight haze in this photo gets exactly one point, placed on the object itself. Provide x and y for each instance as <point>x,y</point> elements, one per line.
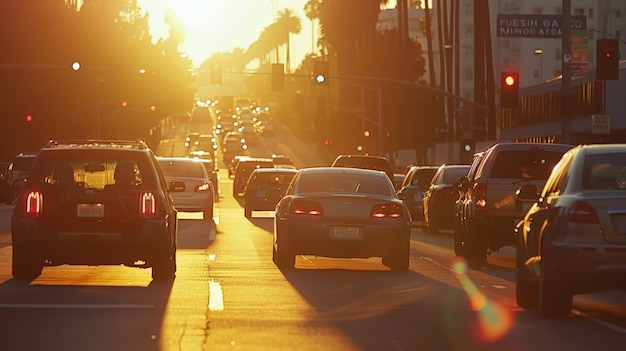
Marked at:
<point>223,25</point>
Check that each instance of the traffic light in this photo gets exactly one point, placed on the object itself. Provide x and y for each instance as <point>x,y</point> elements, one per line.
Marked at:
<point>29,118</point>
<point>215,74</point>
<point>278,76</point>
<point>509,89</point>
<point>607,59</point>
<point>320,72</point>
<point>467,151</point>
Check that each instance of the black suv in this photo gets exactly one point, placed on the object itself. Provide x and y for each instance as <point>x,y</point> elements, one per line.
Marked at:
<point>94,202</point>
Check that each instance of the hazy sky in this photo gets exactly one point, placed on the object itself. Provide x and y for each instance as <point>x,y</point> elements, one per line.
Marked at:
<point>222,25</point>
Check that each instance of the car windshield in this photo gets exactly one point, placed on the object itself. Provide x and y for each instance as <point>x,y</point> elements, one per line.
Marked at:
<point>344,183</point>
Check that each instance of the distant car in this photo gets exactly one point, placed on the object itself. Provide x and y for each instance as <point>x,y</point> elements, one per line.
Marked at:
<point>94,203</point>
<point>189,184</point>
<point>442,194</point>
<point>213,171</point>
<point>416,182</point>
<point>245,168</point>
<point>489,211</point>
<point>341,212</point>
<point>232,165</point>
<point>191,140</point>
<point>378,163</point>
<point>282,160</point>
<point>572,240</point>
<point>17,173</point>
<point>265,187</point>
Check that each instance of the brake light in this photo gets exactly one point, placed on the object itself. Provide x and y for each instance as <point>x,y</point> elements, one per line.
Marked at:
<point>148,205</point>
<point>204,187</point>
<point>34,203</point>
<point>387,211</point>
<point>480,198</point>
<point>306,208</point>
<point>582,212</point>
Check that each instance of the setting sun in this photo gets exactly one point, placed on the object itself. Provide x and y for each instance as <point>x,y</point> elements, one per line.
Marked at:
<point>222,25</point>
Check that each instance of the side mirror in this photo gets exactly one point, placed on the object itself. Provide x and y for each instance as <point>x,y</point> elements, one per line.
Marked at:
<point>401,196</point>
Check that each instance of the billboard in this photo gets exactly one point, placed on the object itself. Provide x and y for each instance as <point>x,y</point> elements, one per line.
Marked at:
<point>534,26</point>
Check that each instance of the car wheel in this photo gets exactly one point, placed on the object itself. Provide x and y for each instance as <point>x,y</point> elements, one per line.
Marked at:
<point>554,299</point>
<point>27,263</point>
<point>282,257</point>
<point>247,212</point>
<point>208,214</point>
<point>164,265</point>
<point>475,251</point>
<point>459,243</point>
<point>526,289</point>
<point>399,261</point>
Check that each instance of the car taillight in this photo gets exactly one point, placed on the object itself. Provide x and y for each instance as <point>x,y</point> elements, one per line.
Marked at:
<point>387,211</point>
<point>202,187</point>
<point>148,205</point>
<point>480,201</point>
<point>34,203</point>
<point>582,212</point>
<point>306,208</point>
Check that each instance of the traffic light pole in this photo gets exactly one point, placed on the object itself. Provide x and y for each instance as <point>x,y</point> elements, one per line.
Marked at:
<point>566,81</point>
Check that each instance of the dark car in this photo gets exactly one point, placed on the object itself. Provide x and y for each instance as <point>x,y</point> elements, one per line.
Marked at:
<point>17,173</point>
<point>416,182</point>
<point>441,196</point>
<point>245,168</point>
<point>265,187</point>
<point>378,163</point>
<point>94,203</point>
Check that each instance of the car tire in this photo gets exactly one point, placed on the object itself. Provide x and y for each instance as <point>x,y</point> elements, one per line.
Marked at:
<point>247,212</point>
<point>208,213</point>
<point>283,258</point>
<point>526,289</point>
<point>475,251</point>
<point>27,263</point>
<point>164,265</point>
<point>399,261</point>
<point>554,299</point>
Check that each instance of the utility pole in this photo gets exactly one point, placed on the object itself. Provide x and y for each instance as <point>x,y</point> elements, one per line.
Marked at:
<point>566,81</point>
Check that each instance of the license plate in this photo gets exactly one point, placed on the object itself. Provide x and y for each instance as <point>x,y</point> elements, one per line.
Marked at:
<point>90,210</point>
<point>345,233</point>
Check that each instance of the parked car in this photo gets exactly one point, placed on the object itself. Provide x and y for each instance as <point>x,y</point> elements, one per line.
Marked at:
<point>439,199</point>
<point>265,187</point>
<point>416,181</point>
<point>94,203</point>
<point>378,163</point>
<point>193,188</point>
<point>245,168</point>
<point>572,240</point>
<point>18,172</point>
<point>341,212</point>
<point>489,211</point>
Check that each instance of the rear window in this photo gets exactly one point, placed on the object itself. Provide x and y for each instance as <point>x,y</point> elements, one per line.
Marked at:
<point>606,172</point>
<point>172,168</point>
<point>453,174</point>
<point>525,164</point>
<point>89,173</point>
<point>272,178</point>
<point>424,177</point>
<point>344,183</point>
<point>22,163</point>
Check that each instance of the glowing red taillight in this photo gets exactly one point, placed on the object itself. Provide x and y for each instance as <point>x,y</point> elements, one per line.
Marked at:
<point>582,212</point>
<point>34,203</point>
<point>204,187</point>
<point>387,211</point>
<point>306,208</point>
<point>148,205</point>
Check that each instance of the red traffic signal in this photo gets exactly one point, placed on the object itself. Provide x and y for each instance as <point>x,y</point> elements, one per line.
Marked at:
<point>29,118</point>
<point>509,89</point>
<point>607,59</point>
<point>366,133</point>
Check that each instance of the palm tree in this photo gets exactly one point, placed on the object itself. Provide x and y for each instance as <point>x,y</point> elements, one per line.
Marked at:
<point>287,24</point>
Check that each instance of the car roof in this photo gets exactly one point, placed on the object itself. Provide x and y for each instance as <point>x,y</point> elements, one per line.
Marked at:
<point>275,170</point>
<point>342,170</point>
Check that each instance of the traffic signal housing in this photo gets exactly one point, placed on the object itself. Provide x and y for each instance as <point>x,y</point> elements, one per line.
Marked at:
<point>509,89</point>
<point>468,148</point>
<point>215,74</point>
<point>607,59</point>
<point>320,72</point>
<point>278,76</point>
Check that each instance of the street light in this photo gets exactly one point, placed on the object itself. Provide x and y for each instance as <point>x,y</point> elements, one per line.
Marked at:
<point>539,52</point>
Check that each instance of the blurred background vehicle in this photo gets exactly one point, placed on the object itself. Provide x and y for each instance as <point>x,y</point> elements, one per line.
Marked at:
<point>245,166</point>
<point>416,181</point>
<point>378,163</point>
<point>265,187</point>
<point>441,196</point>
<point>189,184</point>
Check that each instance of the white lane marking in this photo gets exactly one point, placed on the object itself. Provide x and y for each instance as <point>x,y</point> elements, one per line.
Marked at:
<point>216,297</point>
<point>73,306</point>
<point>603,323</point>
